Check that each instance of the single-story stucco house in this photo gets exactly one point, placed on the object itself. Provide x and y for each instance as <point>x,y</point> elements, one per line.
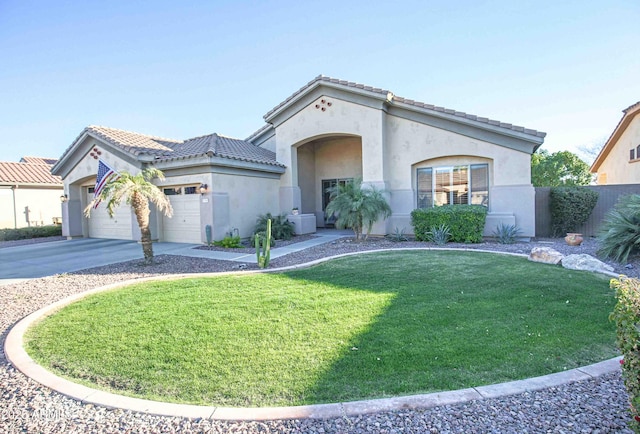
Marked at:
<point>328,132</point>
<point>619,159</point>
<point>29,193</point>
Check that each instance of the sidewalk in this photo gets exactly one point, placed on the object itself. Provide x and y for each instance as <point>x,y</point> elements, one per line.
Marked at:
<point>322,236</point>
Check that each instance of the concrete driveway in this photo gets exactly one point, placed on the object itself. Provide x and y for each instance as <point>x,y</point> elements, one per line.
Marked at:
<point>46,259</point>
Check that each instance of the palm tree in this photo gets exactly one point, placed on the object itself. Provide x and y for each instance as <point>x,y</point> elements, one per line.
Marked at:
<point>357,207</point>
<point>136,191</point>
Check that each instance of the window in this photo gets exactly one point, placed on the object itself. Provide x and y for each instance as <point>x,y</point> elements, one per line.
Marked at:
<point>175,191</point>
<point>453,185</point>
<point>326,185</point>
<point>632,154</point>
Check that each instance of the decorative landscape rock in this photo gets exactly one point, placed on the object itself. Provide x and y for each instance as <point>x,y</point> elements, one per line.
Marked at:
<point>546,255</point>
<point>586,263</point>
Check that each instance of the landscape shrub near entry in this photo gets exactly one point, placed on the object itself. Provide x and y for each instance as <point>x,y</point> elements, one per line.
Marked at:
<point>626,315</point>
<point>465,222</point>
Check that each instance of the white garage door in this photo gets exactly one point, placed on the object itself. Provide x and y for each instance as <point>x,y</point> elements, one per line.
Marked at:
<point>184,226</point>
<point>103,226</point>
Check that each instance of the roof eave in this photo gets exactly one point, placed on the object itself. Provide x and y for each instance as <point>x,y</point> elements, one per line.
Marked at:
<point>629,113</point>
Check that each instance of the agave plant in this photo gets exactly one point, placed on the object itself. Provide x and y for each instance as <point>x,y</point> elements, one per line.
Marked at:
<point>619,234</point>
<point>439,234</point>
<point>506,234</point>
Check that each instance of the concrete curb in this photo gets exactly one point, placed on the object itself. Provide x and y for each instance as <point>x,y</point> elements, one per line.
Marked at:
<point>17,356</point>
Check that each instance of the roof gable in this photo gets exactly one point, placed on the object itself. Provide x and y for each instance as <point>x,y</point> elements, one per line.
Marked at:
<point>151,149</point>
<point>392,101</point>
<point>629,113</point>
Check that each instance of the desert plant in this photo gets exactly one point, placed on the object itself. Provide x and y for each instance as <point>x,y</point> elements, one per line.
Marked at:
<point>207,232</point>
<point>619,234</point>
<point>357,207</point>
<point>397,235</point>
<point>506,234</point>
<point>136,191</point>
<point>263,247</point>
<point>570,208</point>
<point>229,242</point>
<point>465,222</point>
<point>626,315</point>
<point>439,234</point>
<point>281,228</point>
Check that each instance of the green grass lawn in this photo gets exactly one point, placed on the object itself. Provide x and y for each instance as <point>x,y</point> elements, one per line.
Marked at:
<point>365,326</point>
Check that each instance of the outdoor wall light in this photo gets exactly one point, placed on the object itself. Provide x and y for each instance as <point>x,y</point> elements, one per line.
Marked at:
<point>64,198</point>
<point>203,188</point>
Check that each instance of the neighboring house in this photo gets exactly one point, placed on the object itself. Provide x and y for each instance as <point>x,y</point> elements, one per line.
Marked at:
<point>328,132</point>
<point>619,160</point>
<point>29,193</point>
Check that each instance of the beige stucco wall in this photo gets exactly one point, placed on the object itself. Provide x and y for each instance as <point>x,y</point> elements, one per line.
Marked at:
<point>43,203</point>
<point>410,143</point>
<point>333,158</point>
<point>249,196</point>
<point>81,176</point>
<point>391,149</point>
<point>616,168</point>
<point>341,118</point>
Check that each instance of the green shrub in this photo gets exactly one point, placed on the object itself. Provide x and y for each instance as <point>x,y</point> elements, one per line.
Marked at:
<point>32,232</point>
<point>281,228</point>
<point>626,315</point>
<point>619,234</point>
<point>570,208</point>
<point>466,222</point>
<point>439,234</point>
<point>506,234</point>
<point>229,242</point>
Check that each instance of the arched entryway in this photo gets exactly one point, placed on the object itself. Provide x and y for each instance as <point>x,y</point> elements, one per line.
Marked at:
<point>324,162</point>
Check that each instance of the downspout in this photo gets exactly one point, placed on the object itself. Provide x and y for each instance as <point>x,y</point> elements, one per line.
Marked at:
<point>15,215</point>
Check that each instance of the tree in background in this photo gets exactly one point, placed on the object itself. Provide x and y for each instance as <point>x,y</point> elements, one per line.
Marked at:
<point>560,169</point>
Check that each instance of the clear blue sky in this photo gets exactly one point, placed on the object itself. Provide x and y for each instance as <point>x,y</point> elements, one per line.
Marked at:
<point>180,69</point>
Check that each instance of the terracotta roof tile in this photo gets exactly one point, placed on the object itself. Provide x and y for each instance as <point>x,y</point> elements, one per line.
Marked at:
<point>221,146</point>
<point>39,160</point>
<point>169,149</point>
<point>27,173</point>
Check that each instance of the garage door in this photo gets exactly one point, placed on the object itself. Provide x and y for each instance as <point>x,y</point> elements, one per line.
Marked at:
<point>103,226</point>
<point>184,226</point>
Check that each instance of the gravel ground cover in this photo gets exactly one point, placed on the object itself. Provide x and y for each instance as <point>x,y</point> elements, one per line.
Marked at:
<point>593,406</point>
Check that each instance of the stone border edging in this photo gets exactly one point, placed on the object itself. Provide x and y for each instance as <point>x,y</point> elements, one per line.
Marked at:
<point>18,357</point>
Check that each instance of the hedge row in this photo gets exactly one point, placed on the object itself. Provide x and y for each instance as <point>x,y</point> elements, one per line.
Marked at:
<point>626,315</point>
<point>465,222</point>
<point>32,232</point>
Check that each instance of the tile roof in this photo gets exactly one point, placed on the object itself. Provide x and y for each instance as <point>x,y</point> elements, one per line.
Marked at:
<point>221,146</point>
<point>398,99</point>
<point>39,160</point>
<point>164,149</point>
<point>134,143</point>
<point>27,173</point>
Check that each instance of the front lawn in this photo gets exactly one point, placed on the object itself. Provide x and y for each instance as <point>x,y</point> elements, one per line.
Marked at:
<point>366,326</point>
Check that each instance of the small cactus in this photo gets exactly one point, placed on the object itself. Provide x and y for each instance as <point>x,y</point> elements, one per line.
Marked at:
<point>263,247</point>
<point>207,231</point>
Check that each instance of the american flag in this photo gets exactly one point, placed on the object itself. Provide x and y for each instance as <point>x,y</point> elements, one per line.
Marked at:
<point>104,175</point>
